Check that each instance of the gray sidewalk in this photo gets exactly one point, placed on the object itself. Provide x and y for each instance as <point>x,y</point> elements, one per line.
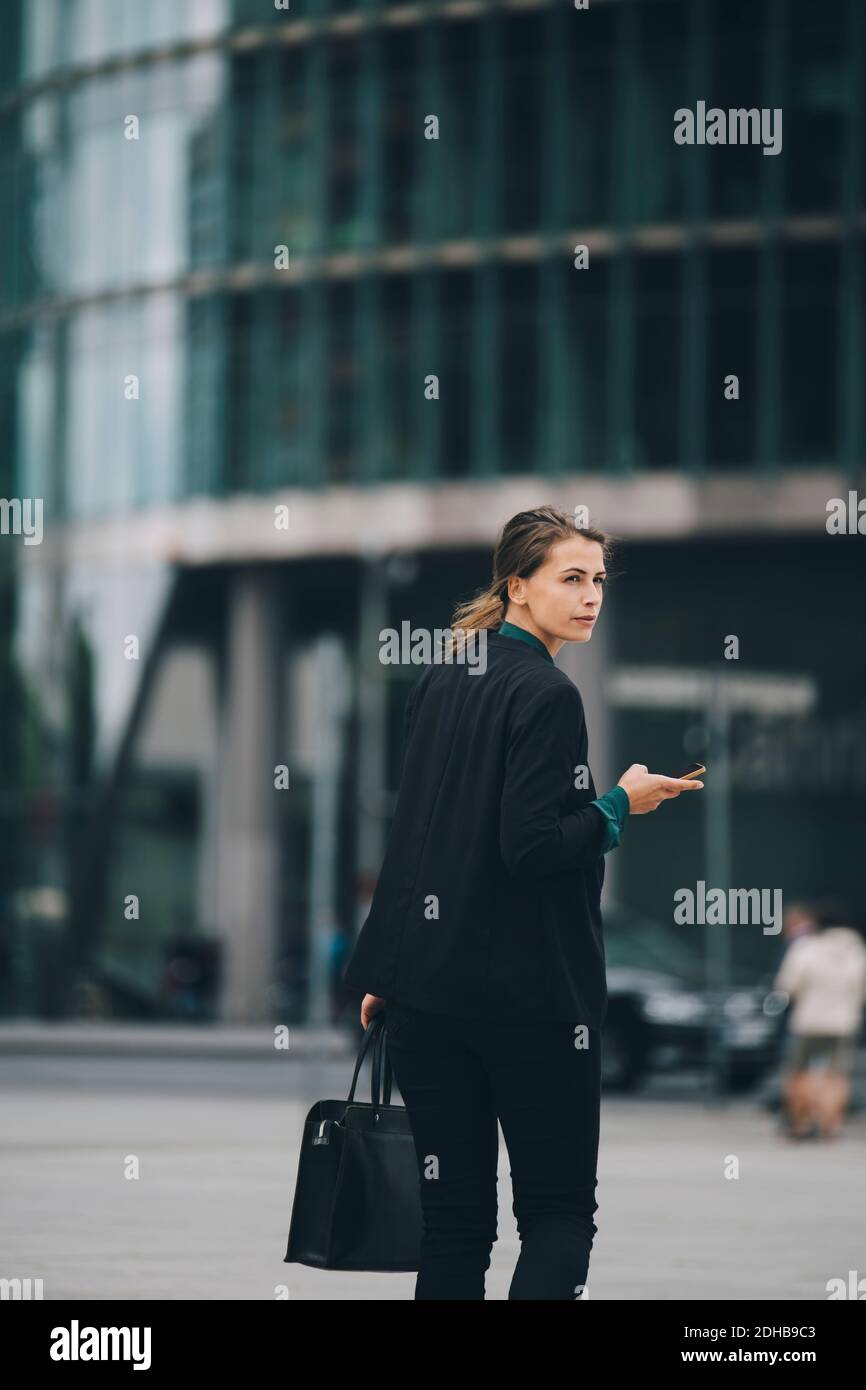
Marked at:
<point>216,1144</point>
<point>111,1039</point>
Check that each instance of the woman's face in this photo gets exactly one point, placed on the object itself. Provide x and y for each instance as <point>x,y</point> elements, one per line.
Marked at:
<point>563,597</point>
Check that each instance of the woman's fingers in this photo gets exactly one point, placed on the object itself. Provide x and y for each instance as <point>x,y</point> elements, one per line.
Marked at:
<point>675,785</point>
<point>370,1006</point>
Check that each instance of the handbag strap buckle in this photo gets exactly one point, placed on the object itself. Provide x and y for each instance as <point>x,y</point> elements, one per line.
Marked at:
<point>324,1134</point>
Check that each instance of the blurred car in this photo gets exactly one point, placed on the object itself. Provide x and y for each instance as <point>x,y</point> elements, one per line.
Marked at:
<point>661,1016</point>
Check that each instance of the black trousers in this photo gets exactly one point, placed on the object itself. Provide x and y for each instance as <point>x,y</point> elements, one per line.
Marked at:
<point>542,1083</point>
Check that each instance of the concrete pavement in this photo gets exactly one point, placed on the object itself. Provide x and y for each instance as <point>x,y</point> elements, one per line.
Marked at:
<point>215,1138</point>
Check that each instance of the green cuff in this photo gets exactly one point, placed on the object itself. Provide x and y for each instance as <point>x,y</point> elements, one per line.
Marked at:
<point>614,806</point>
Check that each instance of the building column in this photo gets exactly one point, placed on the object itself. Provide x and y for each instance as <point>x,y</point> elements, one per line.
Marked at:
<point>247,842</point>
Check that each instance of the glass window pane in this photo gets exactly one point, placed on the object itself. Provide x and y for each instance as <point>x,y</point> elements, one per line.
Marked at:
<point>404,147</point>
<point>732,338</point>
<point>588,138</point>
<point>810,353</point>
<point>519,148</point>
<point>819,106</point>
<point>456,399</point>
<point>659,167</point>
<point>456,151</point>
<point>588,318</point>
<point>519,381</point>
<point>735,173</point>
<point>658,372</point>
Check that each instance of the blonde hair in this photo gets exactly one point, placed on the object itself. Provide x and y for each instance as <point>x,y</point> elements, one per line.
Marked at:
<point>522,548</point>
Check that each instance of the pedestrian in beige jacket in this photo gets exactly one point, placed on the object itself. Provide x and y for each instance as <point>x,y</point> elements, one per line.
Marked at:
<point>824,973</point>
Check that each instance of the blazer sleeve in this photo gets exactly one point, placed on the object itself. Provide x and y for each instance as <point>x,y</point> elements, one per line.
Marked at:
<point>407,722</point>
<point>543,749</point>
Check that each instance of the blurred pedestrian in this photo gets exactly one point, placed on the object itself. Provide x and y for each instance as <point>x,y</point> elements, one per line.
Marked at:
<point>798,919</point>
<point>824,973</point>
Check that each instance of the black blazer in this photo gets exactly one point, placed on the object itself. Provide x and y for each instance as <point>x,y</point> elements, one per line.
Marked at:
<point>488,901</point>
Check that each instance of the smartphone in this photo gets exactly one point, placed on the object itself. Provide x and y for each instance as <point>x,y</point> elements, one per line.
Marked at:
<point>691,770</point>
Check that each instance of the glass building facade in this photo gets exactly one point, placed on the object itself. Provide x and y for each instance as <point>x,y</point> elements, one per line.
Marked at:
<point>157,157</point>
<point>240,238</point>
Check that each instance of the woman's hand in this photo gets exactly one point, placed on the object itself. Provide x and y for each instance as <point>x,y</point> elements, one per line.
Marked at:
<point>370,1005</point>
<point>647,790</point>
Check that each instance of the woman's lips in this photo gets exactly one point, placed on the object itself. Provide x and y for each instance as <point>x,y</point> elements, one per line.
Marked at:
<point>584,620</point>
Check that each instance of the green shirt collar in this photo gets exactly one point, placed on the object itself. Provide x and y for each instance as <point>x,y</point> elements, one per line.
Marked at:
<point>512,630</point>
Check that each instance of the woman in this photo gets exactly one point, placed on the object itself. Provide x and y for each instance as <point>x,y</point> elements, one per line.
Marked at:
<point>484,936</point>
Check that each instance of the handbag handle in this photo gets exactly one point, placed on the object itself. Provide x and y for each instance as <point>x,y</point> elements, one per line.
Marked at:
<point>380,1052</point>
<point>372,1033</point>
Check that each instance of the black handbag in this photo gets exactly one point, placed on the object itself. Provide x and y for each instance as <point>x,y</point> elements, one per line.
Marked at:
<point>357,1202</point>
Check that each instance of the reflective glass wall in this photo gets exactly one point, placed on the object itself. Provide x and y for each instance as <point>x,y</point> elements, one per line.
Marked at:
<point>193,200</point>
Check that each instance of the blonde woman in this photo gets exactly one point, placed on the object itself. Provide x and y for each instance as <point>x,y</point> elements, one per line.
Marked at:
<point>484,938</point>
